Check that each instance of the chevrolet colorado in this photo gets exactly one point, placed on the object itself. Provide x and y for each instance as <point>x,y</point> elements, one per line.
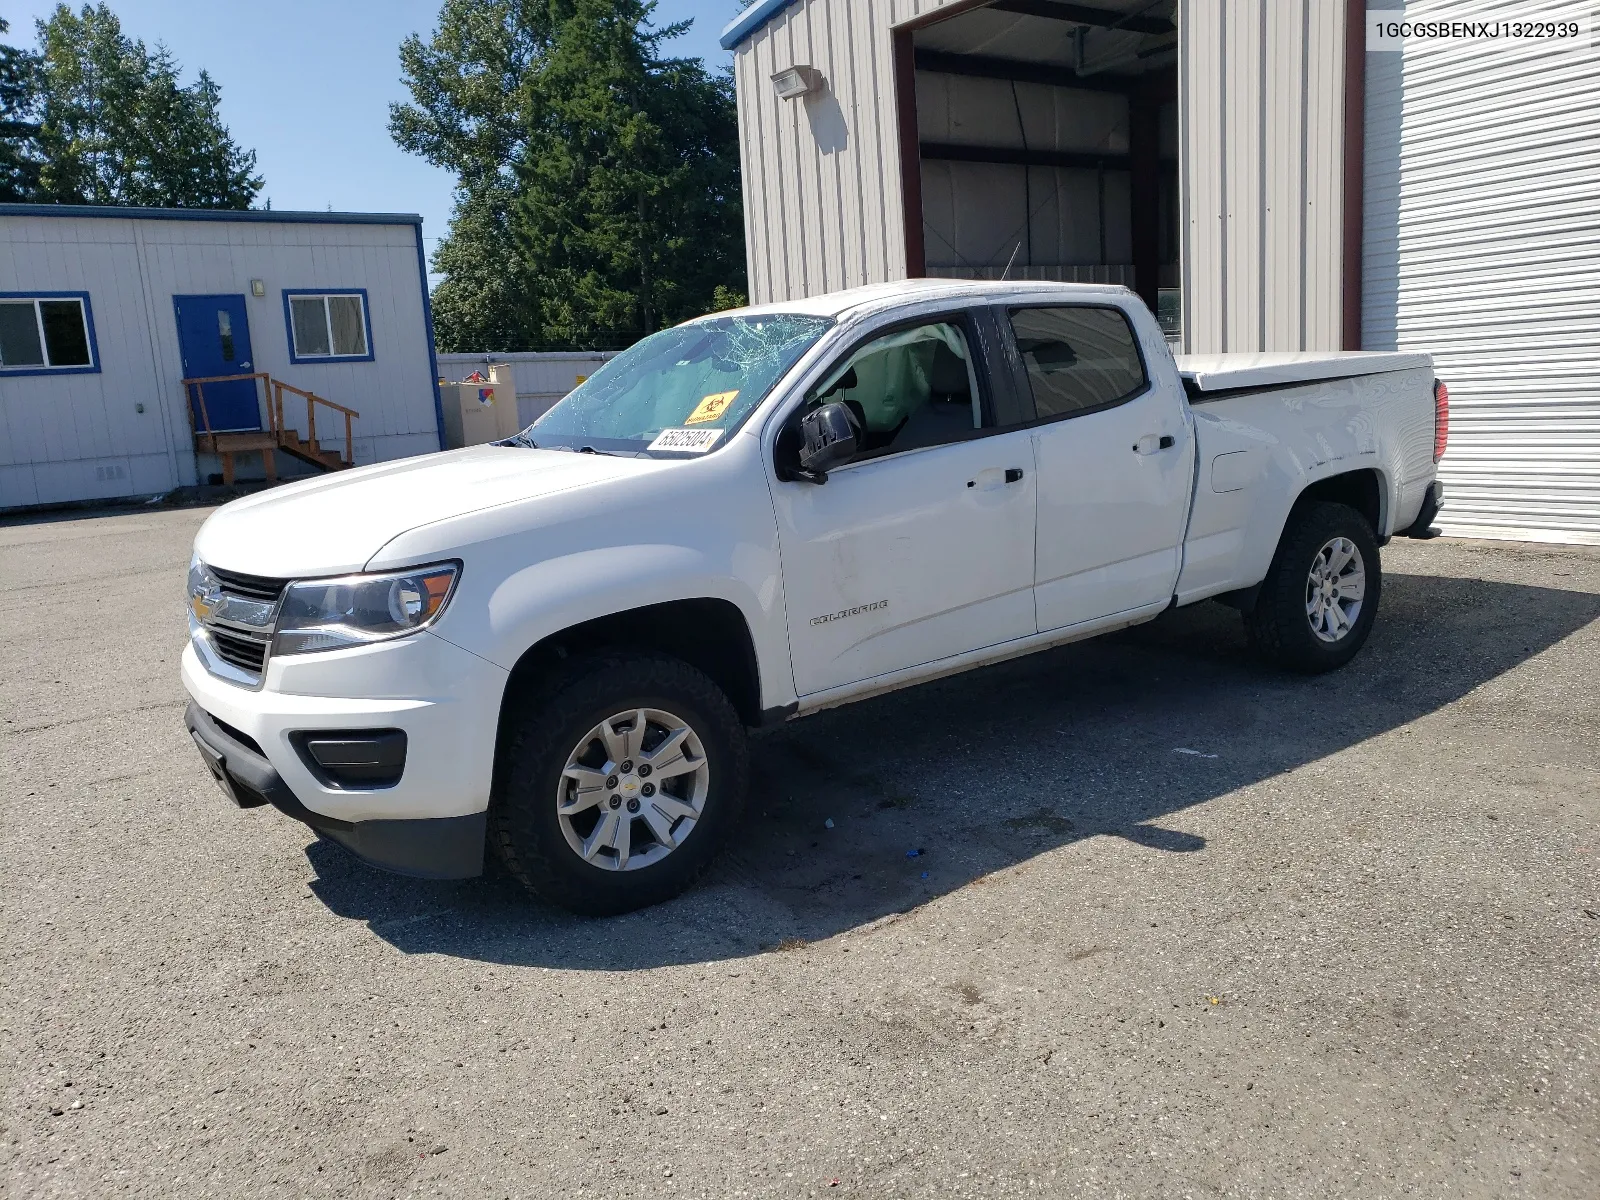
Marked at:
<point>552,647</point>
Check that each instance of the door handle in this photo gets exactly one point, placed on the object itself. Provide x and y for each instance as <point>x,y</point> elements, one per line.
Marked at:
<point>1150,443</point>
<point>992,477</point>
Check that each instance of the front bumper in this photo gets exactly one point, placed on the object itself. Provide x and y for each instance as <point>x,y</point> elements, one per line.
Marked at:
<point>445,700</point>
<point>436,848</point>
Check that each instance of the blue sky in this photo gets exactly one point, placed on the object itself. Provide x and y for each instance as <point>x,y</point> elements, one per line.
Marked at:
<point>307,84</point>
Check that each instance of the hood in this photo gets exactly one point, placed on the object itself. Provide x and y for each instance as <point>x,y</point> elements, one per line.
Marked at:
<point>335,523</point>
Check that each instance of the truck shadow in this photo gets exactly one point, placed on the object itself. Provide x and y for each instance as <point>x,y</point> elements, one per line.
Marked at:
<point>929,789</point>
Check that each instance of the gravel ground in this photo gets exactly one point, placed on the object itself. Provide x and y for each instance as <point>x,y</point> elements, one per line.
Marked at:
<point>1178,926</point>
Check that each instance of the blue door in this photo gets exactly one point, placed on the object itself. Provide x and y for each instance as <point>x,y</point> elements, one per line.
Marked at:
<point>214,337</point>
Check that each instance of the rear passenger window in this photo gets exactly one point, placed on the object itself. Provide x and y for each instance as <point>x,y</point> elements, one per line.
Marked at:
<point>1078,359</point>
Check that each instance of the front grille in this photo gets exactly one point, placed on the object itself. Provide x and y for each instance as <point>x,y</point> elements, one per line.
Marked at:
<point>253,587</point>
<point>245,653</point>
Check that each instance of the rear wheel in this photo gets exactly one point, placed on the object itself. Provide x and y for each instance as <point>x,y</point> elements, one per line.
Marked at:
<point>1317,603</point>
<point>618,783</point>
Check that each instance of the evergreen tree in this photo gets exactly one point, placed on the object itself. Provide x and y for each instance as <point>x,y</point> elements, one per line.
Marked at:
<point>19,132</point>
<point>628,206</point>
<point>117,126</point>
<point>598,192</point>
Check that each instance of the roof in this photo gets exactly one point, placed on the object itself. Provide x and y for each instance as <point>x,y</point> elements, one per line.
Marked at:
<point>878,296</point>
<point>208,214</point>
<point>750,20</point>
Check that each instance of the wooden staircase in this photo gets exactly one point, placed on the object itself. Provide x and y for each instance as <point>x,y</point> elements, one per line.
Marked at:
<point>278,435</point>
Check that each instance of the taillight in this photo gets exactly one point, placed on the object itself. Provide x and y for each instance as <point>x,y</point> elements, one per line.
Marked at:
<point>1441,418</point>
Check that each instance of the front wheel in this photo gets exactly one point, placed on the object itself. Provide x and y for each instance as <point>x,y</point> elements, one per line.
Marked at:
<point>1317,603</point>
<point>618,785</point>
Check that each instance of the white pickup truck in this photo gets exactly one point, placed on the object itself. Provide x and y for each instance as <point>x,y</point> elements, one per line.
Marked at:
<point>554,646</point>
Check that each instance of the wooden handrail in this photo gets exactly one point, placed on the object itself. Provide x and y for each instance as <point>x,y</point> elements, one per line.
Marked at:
<point>200,393</point>
<point>289,387</point>
<point>229,378</point>
<point>312,400</point>
<point>275,422</point>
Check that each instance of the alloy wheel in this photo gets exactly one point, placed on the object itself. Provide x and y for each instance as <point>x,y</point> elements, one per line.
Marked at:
<point>1335,589</point>
<point>633,789</point>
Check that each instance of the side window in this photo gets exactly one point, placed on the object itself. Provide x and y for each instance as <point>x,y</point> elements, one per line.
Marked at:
<point>326,326</point>
<point>47,332</point>
<point>908,389</point>
<point>1078,359</point>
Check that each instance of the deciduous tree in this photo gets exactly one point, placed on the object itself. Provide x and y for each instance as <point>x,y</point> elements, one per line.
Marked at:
<point>116,126</point>
<point>468,85</point>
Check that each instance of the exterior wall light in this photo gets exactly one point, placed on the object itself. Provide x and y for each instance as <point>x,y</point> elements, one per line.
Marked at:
<point>797,81</point>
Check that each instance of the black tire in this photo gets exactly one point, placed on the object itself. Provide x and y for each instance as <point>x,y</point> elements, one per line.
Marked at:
<point>524,827</point>
<point>1278,625</point>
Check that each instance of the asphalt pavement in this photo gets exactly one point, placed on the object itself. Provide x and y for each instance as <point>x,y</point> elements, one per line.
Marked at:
<point>1136,917</point>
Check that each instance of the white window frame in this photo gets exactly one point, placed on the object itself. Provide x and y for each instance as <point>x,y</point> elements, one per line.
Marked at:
<point>291,295</point>
<point>47,367</point>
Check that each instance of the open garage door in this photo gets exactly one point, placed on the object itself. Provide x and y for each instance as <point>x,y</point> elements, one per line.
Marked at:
<point>1046,146</point>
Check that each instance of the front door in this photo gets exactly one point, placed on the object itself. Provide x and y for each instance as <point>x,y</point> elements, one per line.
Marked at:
<point>214,338</point>
<point>922,547</point>
<point>1116,465</point>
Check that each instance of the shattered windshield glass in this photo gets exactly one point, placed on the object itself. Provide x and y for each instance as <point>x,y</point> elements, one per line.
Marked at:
<point>680,390</point>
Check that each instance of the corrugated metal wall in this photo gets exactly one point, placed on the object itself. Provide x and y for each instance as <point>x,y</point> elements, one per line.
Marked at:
<point>1261,147</point>
<point>823,207</point>
<point>77,437</point>
<point>1482,222</point>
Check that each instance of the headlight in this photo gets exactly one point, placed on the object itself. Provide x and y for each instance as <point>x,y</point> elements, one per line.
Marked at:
<point>327,614</point>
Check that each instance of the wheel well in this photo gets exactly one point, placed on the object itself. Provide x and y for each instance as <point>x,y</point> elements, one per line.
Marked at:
<point>1359,489</point>
<point>710,635</point>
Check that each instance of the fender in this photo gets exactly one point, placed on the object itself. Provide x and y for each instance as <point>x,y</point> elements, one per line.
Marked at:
<point>557,594</point>
<point>1295,441</point>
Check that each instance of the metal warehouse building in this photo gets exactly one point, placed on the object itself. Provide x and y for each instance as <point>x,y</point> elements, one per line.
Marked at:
<point>117,326</point>
<point>1250,167</point>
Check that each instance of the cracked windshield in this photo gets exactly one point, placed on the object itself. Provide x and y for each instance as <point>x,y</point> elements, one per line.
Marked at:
<point>680,390</point>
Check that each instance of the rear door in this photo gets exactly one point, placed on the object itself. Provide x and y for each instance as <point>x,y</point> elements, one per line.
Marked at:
<point>214,339</point>
<point>1115,452</point>
<point>922,547</point>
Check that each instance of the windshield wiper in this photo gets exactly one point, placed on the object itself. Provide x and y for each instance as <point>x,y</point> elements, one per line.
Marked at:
<point>522,439</point>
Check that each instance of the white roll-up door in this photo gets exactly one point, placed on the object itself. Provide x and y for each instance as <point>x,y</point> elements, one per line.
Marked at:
<point>1482,246</point>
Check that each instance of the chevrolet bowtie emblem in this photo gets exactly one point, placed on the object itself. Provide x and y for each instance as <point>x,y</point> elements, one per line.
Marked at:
<point>206,601</point>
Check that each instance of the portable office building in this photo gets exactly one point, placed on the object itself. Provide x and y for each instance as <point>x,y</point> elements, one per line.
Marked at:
<point>106,312</point>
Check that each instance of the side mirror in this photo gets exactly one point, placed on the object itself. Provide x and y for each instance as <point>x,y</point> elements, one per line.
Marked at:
<point>829,437</point>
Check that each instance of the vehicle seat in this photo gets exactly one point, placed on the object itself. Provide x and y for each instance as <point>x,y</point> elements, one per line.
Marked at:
<point>947,415</point>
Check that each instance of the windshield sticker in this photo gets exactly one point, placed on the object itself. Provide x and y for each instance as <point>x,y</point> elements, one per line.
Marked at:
<point>710,408</point>
<point>686,441</point>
